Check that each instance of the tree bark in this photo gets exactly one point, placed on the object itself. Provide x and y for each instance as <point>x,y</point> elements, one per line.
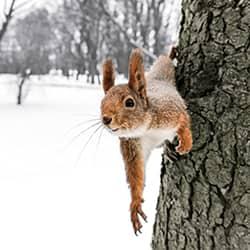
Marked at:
<point>204,200</point>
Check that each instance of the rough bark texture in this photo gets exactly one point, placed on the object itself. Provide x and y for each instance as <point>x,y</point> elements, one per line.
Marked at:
<point>204,200</point>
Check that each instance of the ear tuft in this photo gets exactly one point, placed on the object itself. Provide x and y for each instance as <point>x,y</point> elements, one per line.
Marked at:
<point>137,80</point>
<point>108,75</point>
<point>135,65</point>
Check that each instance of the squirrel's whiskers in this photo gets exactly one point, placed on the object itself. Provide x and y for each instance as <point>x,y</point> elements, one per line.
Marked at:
<point>82,132</point>
<point>99,127</point>
<point>81,124</point>
<point>144,113</point>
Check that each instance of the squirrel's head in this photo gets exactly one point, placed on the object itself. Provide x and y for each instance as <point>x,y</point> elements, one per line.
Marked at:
<point>124,107</point>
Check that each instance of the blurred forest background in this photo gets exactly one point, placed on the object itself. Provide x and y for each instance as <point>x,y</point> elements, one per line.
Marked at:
<point>51,55</point>
<point>72,37</point>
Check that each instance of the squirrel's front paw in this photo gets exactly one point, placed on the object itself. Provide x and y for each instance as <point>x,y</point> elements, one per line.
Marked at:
<point>184,147</point>
<point>136,210</point>
<point>185,141</point>
<point>182,150</point>
<point>170,152</point>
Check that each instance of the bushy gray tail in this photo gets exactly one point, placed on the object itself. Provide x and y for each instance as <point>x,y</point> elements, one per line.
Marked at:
<point>163,69</point>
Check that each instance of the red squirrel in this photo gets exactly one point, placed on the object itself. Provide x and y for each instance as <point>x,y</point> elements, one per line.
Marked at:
<point>144,113</point>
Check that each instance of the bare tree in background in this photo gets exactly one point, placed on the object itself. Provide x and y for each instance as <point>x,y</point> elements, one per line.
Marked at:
<point>81,33</point>
<point>142,24</point>
<point>84,33</point>
<point>34,40</point>
<point>23,78</point>
<point>157,8</point>
<point>8,14</point>
<point>9,11</point>
<point>90,21</point>
<point>69,44</point>
<point>127,24</point>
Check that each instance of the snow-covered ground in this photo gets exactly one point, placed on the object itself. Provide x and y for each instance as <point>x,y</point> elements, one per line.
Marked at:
<point>50,197</point>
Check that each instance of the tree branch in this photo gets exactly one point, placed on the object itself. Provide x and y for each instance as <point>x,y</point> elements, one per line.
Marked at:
<point>8,16</point>
<point>128,38</point>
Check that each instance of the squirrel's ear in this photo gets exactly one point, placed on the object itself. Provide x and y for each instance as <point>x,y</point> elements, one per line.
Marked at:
<point>137,80</point>
<point>108,75</point>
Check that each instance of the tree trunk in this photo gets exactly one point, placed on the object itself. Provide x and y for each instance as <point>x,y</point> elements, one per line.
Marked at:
<point>20,91</point>
<point>204,200</point>
<point>92,50</point>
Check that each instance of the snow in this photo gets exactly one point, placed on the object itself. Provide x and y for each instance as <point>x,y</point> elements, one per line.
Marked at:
<point>50,197</point>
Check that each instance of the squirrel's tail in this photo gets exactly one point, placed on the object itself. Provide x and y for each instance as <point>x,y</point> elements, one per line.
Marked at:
<point>163,68</point>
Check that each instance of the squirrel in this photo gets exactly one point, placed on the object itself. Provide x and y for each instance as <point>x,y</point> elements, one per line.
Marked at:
<point>144,113</point>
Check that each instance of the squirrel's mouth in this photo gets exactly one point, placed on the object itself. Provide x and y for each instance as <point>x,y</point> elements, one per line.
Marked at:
<point>114,129</point>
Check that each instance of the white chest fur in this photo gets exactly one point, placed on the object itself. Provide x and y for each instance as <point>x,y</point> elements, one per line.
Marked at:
<point>154,138</point>
<point>134,133</point>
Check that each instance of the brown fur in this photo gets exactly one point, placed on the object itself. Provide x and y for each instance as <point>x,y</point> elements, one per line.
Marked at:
<point>137,80</point>
<point>134,164</point>
<point>113,106</point>
<point>184,135</point>
<point>108,75</point>
<point>157,107</point>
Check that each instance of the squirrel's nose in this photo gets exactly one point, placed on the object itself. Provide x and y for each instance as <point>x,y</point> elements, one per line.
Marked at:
<point>106,120</point>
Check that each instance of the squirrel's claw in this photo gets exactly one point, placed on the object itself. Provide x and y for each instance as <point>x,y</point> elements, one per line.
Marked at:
<point>142,214</point>
<point>136,224</point>
<point>173,156</point>
<point>171,152</point>
<point>135,212</point>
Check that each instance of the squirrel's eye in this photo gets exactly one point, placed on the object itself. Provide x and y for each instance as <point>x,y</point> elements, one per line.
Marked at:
<point>129,103</point>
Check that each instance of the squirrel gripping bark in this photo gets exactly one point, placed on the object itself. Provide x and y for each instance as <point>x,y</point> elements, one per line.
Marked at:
<point>144,113</point>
